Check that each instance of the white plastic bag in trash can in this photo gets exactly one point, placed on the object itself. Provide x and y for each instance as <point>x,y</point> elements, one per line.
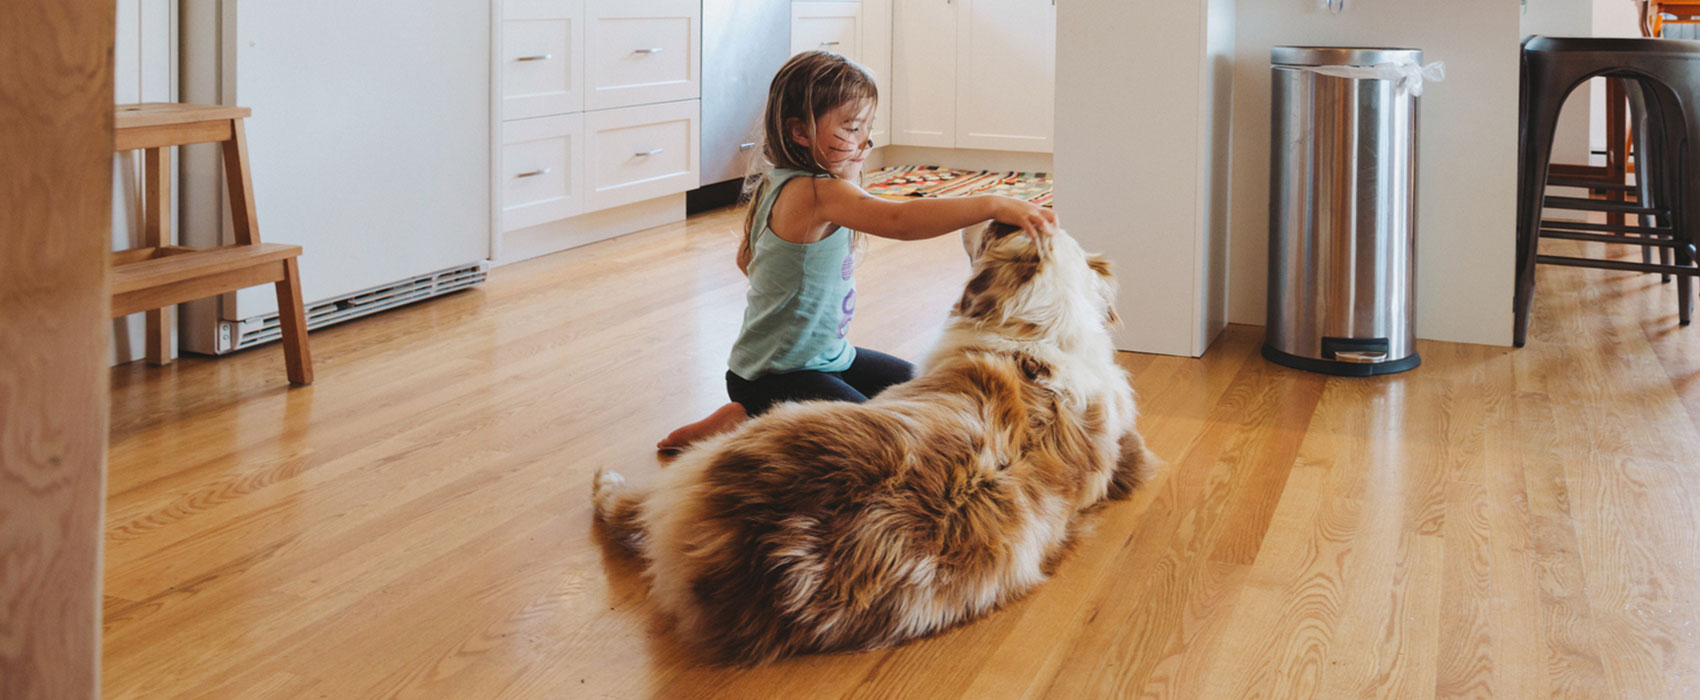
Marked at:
<point>1406,75</point>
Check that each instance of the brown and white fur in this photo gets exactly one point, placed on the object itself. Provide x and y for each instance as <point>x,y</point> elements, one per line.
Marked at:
<point>830,526</point>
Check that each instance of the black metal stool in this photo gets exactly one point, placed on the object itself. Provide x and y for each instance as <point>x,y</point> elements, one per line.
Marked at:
<point>1662,79</point>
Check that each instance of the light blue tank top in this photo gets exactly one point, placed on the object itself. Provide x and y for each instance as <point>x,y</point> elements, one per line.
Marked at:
<point>801,298</point>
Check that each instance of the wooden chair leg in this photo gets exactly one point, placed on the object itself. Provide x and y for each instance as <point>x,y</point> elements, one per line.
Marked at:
<point>292,320</point>
<point>159,336</point>
<point>156,233</point>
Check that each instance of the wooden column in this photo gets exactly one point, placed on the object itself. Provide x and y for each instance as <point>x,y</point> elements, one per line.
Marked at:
<point>56,192</point>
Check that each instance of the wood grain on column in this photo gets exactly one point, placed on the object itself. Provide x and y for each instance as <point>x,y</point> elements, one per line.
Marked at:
<point>56,192</point>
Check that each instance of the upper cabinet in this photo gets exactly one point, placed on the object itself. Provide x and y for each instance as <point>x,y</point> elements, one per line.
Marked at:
<point>974,73</point>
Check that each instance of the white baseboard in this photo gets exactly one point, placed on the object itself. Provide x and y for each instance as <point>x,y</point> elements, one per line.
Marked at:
<point>556,236</point>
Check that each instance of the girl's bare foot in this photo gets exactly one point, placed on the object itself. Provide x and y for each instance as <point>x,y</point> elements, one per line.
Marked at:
<point>721,420</point>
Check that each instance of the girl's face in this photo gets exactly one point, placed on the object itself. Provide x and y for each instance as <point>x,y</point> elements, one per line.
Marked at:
<point>840,141</point>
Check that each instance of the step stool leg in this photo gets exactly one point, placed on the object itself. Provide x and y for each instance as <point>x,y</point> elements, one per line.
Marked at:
<point>292,320</point>
<point>239,181</point>
<point>156,233</point>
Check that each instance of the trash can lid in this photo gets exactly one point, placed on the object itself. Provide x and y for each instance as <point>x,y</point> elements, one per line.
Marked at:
<point>1342,55</point>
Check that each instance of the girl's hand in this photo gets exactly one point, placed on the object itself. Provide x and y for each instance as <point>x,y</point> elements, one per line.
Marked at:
<point>1032,218</point>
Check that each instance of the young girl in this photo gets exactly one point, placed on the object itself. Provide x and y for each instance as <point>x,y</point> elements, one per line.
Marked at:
<point>798,250</point>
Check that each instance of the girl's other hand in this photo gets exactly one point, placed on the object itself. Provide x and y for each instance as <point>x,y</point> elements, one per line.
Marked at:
<point>1032,218</point>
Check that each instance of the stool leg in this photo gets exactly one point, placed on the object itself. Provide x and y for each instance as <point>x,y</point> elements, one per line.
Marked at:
<point>1665,257</point>
<point>1684,289</point>
<point>240,183</point>
<point>156,233</point>
<point>1535,149</point>
<point>292,320</point>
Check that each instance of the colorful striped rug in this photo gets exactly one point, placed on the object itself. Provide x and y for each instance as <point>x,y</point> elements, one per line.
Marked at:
<point>906,181</point>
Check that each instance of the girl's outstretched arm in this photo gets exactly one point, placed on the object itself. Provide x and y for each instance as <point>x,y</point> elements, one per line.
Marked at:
<point>843,203</point>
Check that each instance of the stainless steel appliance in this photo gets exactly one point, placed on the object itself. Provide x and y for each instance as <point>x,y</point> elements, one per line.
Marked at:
<point>744,42</point>
<point>1342,213</point>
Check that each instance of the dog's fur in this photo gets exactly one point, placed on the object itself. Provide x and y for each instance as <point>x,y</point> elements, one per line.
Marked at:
<point>830,526</point>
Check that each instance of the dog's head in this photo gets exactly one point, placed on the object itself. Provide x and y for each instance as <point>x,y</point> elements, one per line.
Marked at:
<point>1046,289</point>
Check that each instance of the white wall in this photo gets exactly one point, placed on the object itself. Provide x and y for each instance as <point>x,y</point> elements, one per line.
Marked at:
<point>1566,18</point>
<point>1142,149</point>
<point>144,70</point>
<point>1467,151</point>
<point>1610,18</point>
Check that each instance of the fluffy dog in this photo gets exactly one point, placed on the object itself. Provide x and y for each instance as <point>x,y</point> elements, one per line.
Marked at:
<point>830,526</point>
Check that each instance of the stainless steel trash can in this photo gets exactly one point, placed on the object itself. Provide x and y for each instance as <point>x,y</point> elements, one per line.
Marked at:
<point>1342,214</point>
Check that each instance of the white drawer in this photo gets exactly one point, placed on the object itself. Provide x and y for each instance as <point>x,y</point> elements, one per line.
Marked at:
<point>638,153</point>
<point>641,51</point>
<point>542,57</point>
<point>542,170</point>
<point>828,26</point>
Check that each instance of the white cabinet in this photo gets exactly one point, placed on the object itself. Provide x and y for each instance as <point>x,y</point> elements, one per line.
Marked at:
<point>828,26</point>
<point>542,171</point>
<point>642,51</point>
<point>542,56</point>
<point>923,86</point>
<point>974,73</point>
<point>861,32</point>
<point>637,153</point>
<point>1006,62</point>
<point>599,109</point>
<point>876,55</point>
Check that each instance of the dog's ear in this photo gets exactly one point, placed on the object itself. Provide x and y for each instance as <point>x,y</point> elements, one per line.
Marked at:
<point>1099,264</point>
<point>978,240</point>
<point>978,301</point>
<point>997,231</point>
<point>995,280</point>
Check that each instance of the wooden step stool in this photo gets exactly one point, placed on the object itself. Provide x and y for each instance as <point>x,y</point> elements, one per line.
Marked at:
<point>158,275</point>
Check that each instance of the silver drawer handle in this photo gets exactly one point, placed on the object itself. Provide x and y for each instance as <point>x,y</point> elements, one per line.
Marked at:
<point>538,57</point>
<point>746,146</point>
<point>829,43</point>
<point>534,173</point>
<point>650,152</point>
<point>647,51</point>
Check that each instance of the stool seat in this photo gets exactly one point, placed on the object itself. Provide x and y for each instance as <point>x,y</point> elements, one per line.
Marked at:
<point>177,274</point>
<point>154,277</point>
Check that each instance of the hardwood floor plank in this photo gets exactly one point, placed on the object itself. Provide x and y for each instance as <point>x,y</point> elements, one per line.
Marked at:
<point>1254,433</point>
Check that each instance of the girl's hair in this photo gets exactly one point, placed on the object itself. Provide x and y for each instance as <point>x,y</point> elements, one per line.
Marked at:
<point>808,86</point>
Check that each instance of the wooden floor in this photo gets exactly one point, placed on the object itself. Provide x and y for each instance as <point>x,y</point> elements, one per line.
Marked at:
<point>1499,523</point>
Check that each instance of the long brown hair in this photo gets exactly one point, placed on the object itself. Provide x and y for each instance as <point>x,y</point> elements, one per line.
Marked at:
<point>808,86</point>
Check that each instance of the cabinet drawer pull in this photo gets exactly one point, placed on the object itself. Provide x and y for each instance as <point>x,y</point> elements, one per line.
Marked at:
<point>647,51</point>
<point>746,146</point>
<point>534,173</point>
<point>650,152</point>
<point>829,43</point>
<point>538,57</point>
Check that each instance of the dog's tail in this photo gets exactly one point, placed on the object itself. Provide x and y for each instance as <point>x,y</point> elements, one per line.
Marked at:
<point>617,509</point>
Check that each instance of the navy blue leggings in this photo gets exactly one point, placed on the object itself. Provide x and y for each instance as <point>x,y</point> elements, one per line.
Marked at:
<point>867,376</point>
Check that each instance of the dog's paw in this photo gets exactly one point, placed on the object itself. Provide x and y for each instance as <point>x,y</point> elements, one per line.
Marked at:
<point>604,488</point>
